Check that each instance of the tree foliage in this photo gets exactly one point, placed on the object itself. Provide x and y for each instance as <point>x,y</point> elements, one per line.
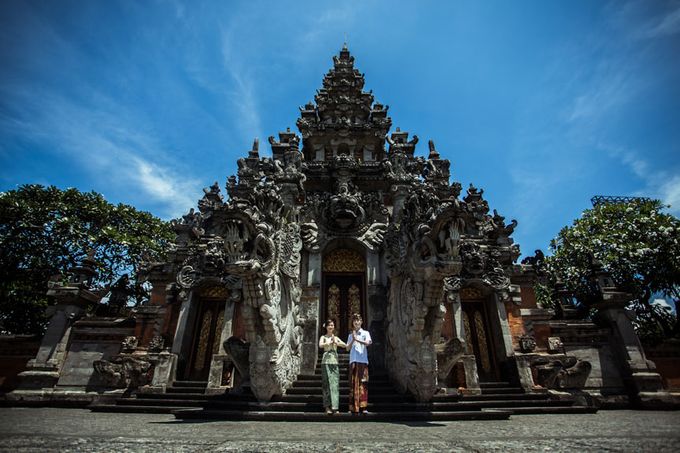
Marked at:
<point>45,231</point>
<point>638,244</point>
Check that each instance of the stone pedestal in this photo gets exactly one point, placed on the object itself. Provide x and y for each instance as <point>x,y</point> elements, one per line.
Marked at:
<point>164,364</point>
<point>218,366</point>
<point>44,370</point>
<point>644,383</point>
<point>471,376</point>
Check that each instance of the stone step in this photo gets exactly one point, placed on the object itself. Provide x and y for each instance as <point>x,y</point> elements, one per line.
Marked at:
<point>491,384</point>
<point>187,396</point>
<point>503,390</point>
<point>184,390</point>
<point>553,410</point>
<point>199,384</point>
<point>318,406</point>
<point>343,389</point>
<point>160,402</point>
<point>313,383</point>
<point>518,403</point>
<point>507,396</point>
<point>344,398</point>
<point>201,414</point>
<point>161,409</point>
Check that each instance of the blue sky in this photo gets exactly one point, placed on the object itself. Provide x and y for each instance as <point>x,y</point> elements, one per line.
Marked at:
<point>543,104</point>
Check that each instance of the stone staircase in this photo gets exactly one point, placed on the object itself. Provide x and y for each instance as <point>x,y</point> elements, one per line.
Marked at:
<point>503,395</point>
<point>303,402</point>
<point>180,395</point>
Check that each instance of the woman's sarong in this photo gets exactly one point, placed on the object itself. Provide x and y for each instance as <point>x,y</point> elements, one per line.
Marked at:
<point>358,386</point>
<point>330,380</point>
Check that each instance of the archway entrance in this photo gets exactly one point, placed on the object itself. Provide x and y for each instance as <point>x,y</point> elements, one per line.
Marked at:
<point>344,294</point>
<point>478,333</point>
<point>207,330</point>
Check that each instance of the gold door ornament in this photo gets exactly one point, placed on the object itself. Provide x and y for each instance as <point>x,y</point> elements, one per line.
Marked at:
<point>471,293</point>
<point>333,303</point>
<point>344,260</point>
<point>214,292</point>
<point>481,342</point>
<point>218,333</point>
<point>468,334</point>
<point>354,304</point>
<point>203,341</point>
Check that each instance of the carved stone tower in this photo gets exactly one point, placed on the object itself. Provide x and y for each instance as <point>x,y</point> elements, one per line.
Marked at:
<point>350,221</point>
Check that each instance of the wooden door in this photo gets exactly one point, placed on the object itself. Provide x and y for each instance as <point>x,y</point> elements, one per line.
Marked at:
<point>207,332</point>
<point>479,339</point>
<point>343,296</point>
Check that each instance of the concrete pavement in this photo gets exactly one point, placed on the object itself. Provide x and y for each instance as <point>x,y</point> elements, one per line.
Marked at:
<point>79,430</point>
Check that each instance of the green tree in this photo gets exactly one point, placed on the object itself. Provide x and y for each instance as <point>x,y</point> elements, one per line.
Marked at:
<point>44,231</point>
<point>638,244</point>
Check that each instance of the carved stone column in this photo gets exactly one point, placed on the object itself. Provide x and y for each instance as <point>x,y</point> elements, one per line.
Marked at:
<point>72,300</point>
<point>221,359</point>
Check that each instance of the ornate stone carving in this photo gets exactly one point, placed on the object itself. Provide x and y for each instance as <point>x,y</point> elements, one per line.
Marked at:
<point>344,260</point>
<point>333,186</point>
<point>157,343</point>
<point>563,373</point>
<point>123,371</point>
<point>527,344</point>
<point>448,353</point>
<point>129,344</point>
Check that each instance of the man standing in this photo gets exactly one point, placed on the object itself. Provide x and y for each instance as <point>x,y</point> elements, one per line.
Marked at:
<point>357,343</point>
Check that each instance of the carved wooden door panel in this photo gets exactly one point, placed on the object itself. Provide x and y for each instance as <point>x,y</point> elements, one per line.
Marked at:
<point>343,297</point>
<point>207,331</point>
<point>479,340</point>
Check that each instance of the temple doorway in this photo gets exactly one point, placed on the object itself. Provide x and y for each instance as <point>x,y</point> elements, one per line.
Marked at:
<point>207,332</point>
<point>344,292</point>
<point>478,333</point>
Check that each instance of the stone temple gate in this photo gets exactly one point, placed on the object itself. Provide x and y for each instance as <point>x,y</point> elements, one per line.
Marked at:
<point>342,218</point>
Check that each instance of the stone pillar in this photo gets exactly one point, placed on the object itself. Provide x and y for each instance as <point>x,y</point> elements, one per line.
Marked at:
<point>645,384</point>
<point>221,358</point>
<point>164,364</point>
<point>182,338</point>
<point>310,306</point>
<point>471,376</point>
<point>399,194</point>
<point>500,317</point>
<point>72,299</point>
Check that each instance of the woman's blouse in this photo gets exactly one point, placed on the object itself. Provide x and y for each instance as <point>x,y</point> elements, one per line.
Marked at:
<point>330,350</point>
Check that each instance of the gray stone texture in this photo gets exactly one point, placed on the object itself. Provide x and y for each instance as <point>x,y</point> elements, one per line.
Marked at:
<point>77,430</point>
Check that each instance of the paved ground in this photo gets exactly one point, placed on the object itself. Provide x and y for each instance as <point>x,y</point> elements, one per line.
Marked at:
<point>79,430</point>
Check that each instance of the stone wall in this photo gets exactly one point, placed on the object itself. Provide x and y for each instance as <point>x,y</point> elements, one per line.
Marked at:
<point>15,352</point>
<point>666,357</point>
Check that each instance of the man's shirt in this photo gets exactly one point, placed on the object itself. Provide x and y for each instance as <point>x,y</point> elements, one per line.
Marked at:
<point>358,352</point>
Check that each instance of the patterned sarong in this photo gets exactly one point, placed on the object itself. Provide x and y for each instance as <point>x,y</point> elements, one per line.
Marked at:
<point>358,386</point>
<point>330,380</point>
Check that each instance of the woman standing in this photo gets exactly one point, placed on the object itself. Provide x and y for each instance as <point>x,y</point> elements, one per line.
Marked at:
<point>330,374</point>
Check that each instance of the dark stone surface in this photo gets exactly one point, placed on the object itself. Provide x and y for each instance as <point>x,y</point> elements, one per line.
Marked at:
<point>39,430</point>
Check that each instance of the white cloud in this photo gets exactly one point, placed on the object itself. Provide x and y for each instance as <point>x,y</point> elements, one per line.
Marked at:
<point>108,143</point>
<point>659,184</point>
<point>666,24</point>
<point>669,192</point>
<point>244,97</point>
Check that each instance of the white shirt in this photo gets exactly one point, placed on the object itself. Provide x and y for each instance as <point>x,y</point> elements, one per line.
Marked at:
<point>358,352</point>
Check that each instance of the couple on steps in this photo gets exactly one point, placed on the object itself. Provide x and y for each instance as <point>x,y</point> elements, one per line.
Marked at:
<point>357,343</point>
